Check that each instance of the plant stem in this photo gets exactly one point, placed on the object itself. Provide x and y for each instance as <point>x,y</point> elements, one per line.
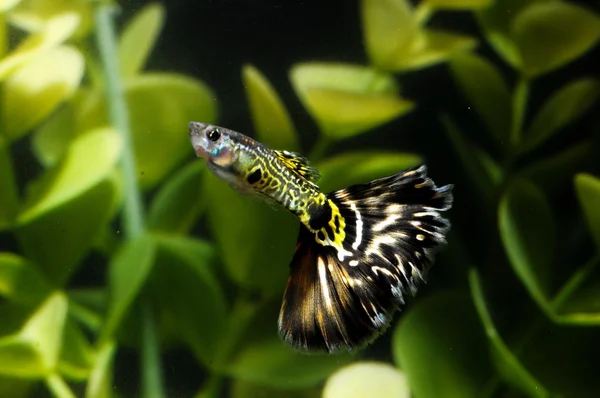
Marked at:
<point>574,282</point>
<point>423,12</point>
<point>133,217</point>
<point>520,98</point>
<point>59,388</point>
<point>151,384</point>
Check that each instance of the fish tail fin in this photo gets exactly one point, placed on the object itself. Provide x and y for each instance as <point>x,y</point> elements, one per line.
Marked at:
<point>348,278</point>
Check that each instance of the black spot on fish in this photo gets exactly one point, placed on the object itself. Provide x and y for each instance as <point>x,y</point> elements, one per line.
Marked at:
<point>319,216</point>
<point>254,177</point>
<point>321,235</point>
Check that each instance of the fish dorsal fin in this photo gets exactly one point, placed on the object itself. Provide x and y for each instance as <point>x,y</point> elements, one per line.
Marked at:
<point>299,164</point>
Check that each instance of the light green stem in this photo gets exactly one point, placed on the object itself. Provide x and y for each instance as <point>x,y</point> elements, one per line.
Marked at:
<point>520,99</point>
<point>59,388</point>
<point>133,216</point>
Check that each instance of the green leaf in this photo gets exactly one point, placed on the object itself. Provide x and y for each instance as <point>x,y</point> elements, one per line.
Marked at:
<point>461,365</point>
<point>20,281</point>
<point>6,5</point>
<point>256,241</point>
<point>477,167</point>
<point>52,139</point>
<point>367,378</point>
<point>552,172</point>
<point>271,121</point>
<point>486,90</point>
<point>15,387</point>
<point>127,274</point>
<point>389,28</point>
<point>430,47</point>
<point>68,206</point>
<point>552,34</point>
<point>57,30</point>
<point>244,389</point>
<point>507,364</point>
<point>360,167</point>
<point>346,99</point>
<point>34,351</point>
<point>564,107</point>
<point>458,4</point>
<point>139,37</point>
<point>196,313</point>
<point>34,15</point>
<point>263,358</point>
<point>496,22</point>
<point>100,383</point>
<point>77,356</point>
<point>160,106</point>
<point>38,87</point>
<point>527,231</point>
<point>588,192</point>
<point>179,202</point>
<point>89,159</point>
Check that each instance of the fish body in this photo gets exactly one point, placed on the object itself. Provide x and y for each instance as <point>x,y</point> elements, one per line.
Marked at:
<point>360,250</point>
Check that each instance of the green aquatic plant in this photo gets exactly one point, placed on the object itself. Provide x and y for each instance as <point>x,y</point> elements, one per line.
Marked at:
<point>191,265</point>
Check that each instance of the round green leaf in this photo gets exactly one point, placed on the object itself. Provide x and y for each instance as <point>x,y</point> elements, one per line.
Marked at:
<point>562,108</point>
<point>244,389</point>
<point>139,37</point>
<point>389,28</point>
<point>458,4</point>
<point>127,273</point>
<point>77,355</point>
<point>256,241</point>
<point>552,172</point>
<point>20,358</point>
<point>6,5</point>
<point>271,121</point>
<point>346,100</point>
<point>457,356</point>
<point>160,107</point>
<point>527,231</point>
<point>551,34</point>
<point>44,331</point>
<point>89,159</point>
<point>57,30</point>
<point>588,191</point>
<point>196,312</point>
<point>38,87</point>
<point>496,21</point>
<point>477,167</point>
<point>20,281</point>
<point>363,379</point>
<point>33,15</point>
<point>361,167</point>
<point>58,239</point>
<point>507,364</point>
<point>486,90</point>
<point>178,203</point>
<point>431,47</point>
<point>51,140</point>
<point>100,383</point>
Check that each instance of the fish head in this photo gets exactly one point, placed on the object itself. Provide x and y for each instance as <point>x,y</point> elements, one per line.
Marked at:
<point>216,145</point>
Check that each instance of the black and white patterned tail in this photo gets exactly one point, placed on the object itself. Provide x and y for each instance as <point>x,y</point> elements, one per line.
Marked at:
<point>342,298</point>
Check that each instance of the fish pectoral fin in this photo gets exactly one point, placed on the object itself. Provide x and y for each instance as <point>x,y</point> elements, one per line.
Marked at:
<point>299,164</point>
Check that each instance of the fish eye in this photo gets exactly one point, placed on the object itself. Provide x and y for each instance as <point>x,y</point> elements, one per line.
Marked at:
<point>214,135</point>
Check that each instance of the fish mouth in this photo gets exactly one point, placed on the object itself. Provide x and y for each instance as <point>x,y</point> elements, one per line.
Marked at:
<point>197,139</point>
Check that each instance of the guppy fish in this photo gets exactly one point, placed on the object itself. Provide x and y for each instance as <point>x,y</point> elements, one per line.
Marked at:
<point>360,250</point>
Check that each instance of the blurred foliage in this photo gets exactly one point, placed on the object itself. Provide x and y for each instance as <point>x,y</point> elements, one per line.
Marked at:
<point>217,297</point>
